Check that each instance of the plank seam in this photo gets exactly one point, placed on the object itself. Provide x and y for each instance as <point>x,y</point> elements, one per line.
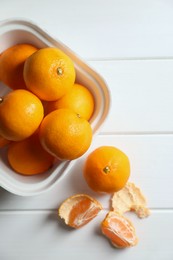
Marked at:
<point>45,211</point>
<point>140,133</point>
<point>102,59</point>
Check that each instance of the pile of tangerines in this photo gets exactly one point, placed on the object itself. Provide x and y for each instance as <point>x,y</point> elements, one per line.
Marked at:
<point>44,116</point>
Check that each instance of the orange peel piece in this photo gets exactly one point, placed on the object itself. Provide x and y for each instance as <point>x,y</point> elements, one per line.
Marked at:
<point>130,198</point>
<point>78,210</point>
<point>119,230</point>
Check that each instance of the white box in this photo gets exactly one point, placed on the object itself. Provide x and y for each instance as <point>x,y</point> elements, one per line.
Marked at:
<point>21,31</point>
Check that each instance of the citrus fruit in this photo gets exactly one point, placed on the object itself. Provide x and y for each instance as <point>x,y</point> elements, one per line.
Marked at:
<point>79,99</point>
<point>106,169</point>
<point>12,63</point>
<point>27,157</point>
<point>119,230</point>
<point>49,73</point>
<point>3,141</point>
<point>78,210</point>
<point>21,112</point>
<point>65,135</point>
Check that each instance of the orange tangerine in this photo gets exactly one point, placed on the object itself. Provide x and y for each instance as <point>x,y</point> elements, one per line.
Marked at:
<point>79,99</point>
<point>78,210</point>
<point>12,63</point>
<point>65,135</point>
<point>106,169</point>
<point>27,157</point>
<point>49,73</point>
<point>21,113</point>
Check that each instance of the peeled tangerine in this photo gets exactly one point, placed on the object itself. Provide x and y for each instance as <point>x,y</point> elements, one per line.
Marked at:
<point>78,210</point>
<point>119,230</point>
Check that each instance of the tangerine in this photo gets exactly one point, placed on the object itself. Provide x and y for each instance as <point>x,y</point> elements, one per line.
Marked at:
<point>27,157</point>
<point>119,230</point>
<point>49,73</point>
<point>79,99</point>
<point>65,135</point>
<point>12,63</point>
<point>78,210</point>
<point>106,169</point>
<point>21,113</point>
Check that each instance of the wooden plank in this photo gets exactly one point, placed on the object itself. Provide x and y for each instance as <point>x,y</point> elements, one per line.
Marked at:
<point>141,93</point>
<point>151,169</point>
<point>103,29</point>
<point>41,235</point>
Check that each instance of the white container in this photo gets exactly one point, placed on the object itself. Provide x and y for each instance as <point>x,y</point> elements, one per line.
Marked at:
<point>21,31</point>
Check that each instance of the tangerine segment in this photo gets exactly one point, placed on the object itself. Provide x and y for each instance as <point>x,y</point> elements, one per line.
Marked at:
<point>21,113</point>
<point>12,63</point>
<point>49,73</point>
<point>119,230</point>
<point>27,157</point>
<point>79,99</point>
<point>107,169</point>
<point>3,141</point>
<point>78,210</point>
<point>65,135</point>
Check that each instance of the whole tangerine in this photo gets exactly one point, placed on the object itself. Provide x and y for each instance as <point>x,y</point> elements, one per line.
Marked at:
<point>12,63</point>
<point>49,73</point>
<point>106,169</point>
<point>28,157</point>
<point>79,99</point>
<point>21,113</point>
<point>65,135</point>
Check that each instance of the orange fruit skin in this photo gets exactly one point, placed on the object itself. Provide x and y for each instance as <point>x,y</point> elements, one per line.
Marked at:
<point>119,230</point>
<point>106,169</point>
<point>49,73</point>
<point>21,113</point>
<point>65,135</point>
<point>78,210</point>
<point>27,157</point>
<point>12,63</point>
<point>79,99</point>
<point>3,142</point>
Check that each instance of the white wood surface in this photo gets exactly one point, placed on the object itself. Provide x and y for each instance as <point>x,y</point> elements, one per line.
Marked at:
<point>130,43</point>
<point>142,95</point>
<point>41,236</point>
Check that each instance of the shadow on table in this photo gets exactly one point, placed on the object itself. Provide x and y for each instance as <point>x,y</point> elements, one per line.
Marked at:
<point>4,195</point>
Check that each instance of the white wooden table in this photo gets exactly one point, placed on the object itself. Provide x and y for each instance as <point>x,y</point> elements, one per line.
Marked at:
<point>130,43</point>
